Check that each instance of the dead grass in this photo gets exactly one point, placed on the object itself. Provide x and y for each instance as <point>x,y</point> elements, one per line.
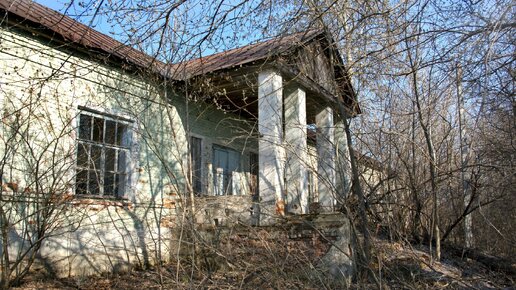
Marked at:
<point>403,266</point>
<point>272,264</point>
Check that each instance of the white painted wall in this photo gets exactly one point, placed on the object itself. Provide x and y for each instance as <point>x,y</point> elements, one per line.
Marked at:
<point>49,84</point>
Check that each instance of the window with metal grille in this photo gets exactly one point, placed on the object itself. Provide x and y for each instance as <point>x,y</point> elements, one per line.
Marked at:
<point>102,155</point>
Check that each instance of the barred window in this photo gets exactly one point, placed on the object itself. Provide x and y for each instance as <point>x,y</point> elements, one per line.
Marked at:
<point>102,155</point>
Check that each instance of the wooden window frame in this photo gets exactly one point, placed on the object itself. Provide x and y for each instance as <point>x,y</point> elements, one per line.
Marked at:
<point>97,175</point>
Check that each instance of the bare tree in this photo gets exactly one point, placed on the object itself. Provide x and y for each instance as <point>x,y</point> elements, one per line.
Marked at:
<point>35,206</point>
<point>400,56</point>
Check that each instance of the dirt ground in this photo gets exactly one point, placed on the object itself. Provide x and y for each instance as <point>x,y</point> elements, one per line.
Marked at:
<point>396,266</point>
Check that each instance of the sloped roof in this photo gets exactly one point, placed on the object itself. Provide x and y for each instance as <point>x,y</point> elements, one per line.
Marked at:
<point>73,31</point>
<point>76,32</point>
<point>242,55</point>
<point>59,27</point>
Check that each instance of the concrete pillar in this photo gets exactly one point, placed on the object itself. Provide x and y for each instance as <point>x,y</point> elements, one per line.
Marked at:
<point>271,153</point>
<point>296,151</point>
<point>343,162</point>
<point>325,159</point>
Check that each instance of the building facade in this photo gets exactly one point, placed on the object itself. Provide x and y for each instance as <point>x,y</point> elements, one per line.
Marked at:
<point>106,151</point>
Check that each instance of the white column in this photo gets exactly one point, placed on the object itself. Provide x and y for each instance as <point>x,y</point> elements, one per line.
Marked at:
<point>343,162</point>
<point>296,151</point>
<point>271,153</point>
<point>325,159</point>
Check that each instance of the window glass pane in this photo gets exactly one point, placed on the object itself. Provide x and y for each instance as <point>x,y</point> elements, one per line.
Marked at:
<point>122,138</point>
<point>196,154</point>
<point>253,183</point>
<point>110,136</point>
<point>233,160</point>
<point>122,161</point>
<point>81,184</point>
<point>94,182</point>
<point>225,162</point>
<point>82,155</point>
<point>96,154</point>
<point>98,129</point>
<point>120,184</point>
<point>220,160</point>
<point>110,159</point>
<point>101,164</point>
<point>233,166</point>
<point>253,163</point>
<point>109,183</point>
<point>85,127</point>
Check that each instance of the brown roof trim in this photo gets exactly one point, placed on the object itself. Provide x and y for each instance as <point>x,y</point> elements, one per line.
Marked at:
<point>240,56</point>
<point>72,31</point>
<point>306,82</point>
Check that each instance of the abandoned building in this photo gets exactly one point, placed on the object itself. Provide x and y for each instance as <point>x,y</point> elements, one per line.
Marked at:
<point>128,145</point>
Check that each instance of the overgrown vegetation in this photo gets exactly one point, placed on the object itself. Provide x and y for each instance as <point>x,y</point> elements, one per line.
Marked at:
<point>267,262</point>
<point>436,84</point>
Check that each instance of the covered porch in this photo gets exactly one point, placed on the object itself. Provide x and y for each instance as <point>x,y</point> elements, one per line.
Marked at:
<point>296,103</point>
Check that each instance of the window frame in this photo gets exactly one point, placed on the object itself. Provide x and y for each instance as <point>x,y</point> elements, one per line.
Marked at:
<point>227,183</point>
<point>254,171</point>
<point>127,148</point>
<point>197,179</point>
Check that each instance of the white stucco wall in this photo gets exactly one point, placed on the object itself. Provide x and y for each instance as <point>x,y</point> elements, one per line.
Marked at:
<point>42,87</point>
<point>220,129</point>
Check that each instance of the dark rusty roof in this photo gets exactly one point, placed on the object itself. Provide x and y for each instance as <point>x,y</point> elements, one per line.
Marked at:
<point>63,28</point>
<point>242,55</point>
<point>73,31</point>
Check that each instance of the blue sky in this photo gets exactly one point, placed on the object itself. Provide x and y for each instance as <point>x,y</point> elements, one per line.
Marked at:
<point>54,4</point>
<point>192,21</point>
<point>75,11</point>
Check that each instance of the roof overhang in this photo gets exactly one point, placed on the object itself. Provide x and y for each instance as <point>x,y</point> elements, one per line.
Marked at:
<point>228,78</point>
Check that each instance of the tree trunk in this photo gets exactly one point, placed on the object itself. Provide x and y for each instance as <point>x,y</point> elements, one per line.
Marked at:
<point>464,152</point>
<point>432,160</point>
<point>433,171</point>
